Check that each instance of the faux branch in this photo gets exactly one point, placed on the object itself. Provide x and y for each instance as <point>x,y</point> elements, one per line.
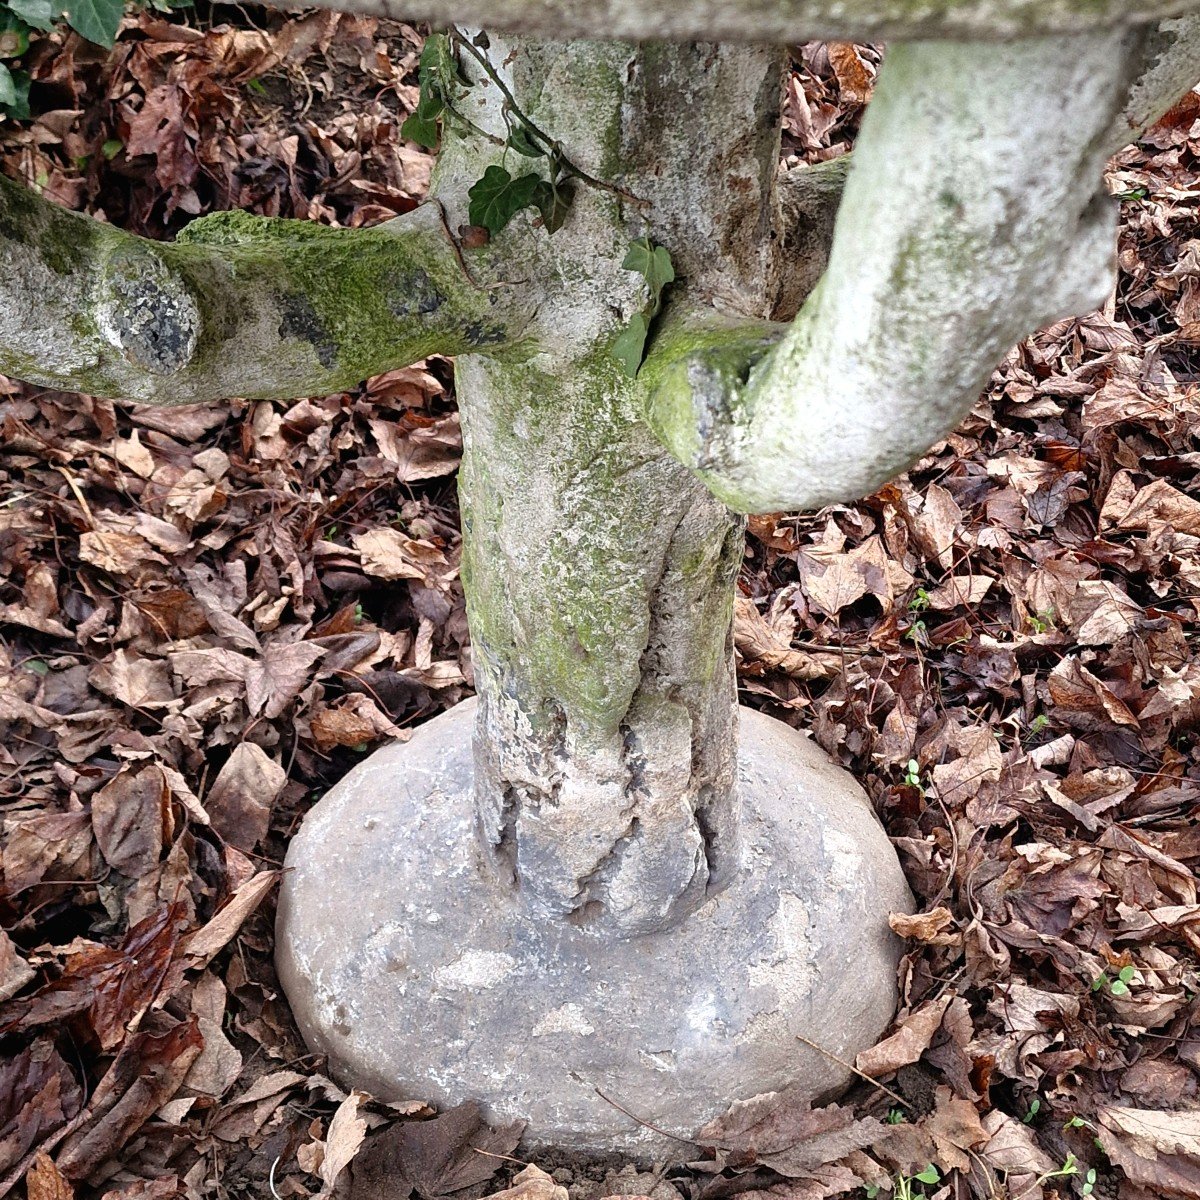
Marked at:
<point>809,196</point>
<point>239,306</point>
<point>774,21</point>
<point>974,214</point>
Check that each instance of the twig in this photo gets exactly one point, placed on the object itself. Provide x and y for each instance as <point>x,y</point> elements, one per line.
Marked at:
<point>458,254</point>
<point>506,1157</point>
<point>841,1062</point>
<point>634,1117</point>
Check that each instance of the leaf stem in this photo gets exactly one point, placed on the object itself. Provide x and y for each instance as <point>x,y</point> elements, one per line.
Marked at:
<point>553,147</point>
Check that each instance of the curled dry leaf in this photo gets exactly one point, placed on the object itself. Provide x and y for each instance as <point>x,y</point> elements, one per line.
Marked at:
<point>1160,503</point>
<point>1158,1150</point>
<point>758,643</point>
<point>38,1096</point>
<point>46,1182</point>
<point>353,721</point>
<point>533,1183</point>
<point>202,945</point>
<point>455,1150</point>
<point>144,1076</point>
<point>389,554</point>
<point>913,1037</point>
<point>15,972</point>
<point>924,927</point>
<point>111,987</point>
<point>346,1133</point>
<point>781,1131</point>
<point>117,553</point>
<point>131,817</point>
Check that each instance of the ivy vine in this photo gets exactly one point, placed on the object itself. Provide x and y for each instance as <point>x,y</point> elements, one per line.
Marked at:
<point>499,195</point>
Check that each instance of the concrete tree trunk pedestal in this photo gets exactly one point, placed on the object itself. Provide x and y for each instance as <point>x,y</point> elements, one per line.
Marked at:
<point>420,973</point>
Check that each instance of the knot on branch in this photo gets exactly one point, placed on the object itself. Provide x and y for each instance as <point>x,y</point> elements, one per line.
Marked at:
<point>147,311</point>
<point>696,381</point>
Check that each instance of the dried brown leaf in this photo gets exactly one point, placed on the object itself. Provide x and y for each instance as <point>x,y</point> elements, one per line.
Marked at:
<point>913,1037</point>
<point>46,1182</point>
<point>1159,1150</point>
<point>455,1150</point>
<point>239,802</point>
<point>211,938</point>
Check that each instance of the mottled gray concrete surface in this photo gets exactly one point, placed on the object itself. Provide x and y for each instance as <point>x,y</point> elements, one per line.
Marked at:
<point>421,976</point>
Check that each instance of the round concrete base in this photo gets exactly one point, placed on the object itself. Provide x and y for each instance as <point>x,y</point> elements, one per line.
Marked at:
<point>421,977</point>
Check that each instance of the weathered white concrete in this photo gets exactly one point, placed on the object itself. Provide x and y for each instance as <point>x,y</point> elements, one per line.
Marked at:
<point>422,974</point>
<point>780,21</point>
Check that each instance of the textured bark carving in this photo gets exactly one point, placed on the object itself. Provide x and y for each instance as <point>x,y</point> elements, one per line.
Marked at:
<point>599,572</point>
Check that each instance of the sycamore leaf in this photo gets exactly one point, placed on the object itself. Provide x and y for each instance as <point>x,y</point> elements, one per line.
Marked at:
<point>630,346</point>
<point>96,20</point>
<point>498,197</point>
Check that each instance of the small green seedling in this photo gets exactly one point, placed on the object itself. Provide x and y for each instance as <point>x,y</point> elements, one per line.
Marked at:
<point>912,775</point>
<point>895,1117</point>
<point>1116,987</point>
<point>920,602</point>
<point>1043,622</point>
<point>1034,1106</point>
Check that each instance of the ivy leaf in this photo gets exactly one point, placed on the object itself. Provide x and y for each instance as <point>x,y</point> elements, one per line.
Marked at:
<point>419,129</point>
<point>521,140</point>
<point>653,263</point>
<point>38,13</point>
<point>96,20</point>
<point>630,347</point>
<point>498,197</point>
<point>436,68</point>
<point>421,126</point>
<point>437,74</point>
<point>553,201</point>
<point>19,107</point>
<point>8,89</point>
<point>14,34</point>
